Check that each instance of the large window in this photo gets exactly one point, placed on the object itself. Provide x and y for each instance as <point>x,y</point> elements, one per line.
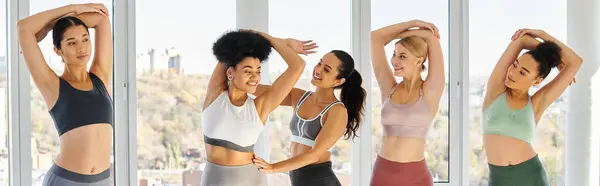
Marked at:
<point>3,95</point>
<point>387,12</point>
<point>45,141</point>
<point>174,62</point>
<point>492,23</point>
<point>328,25</point>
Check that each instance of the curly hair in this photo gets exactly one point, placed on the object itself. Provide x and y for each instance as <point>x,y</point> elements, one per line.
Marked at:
<point>548,56</point>
<point>233,47</point>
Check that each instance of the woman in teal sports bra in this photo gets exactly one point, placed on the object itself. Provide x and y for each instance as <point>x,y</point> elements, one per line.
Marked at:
<point>510,114</point>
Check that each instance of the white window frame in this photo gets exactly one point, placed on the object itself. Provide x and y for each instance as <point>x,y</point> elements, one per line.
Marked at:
<point>19,117</point>
<point>361,169</point>
<point>124,93</point>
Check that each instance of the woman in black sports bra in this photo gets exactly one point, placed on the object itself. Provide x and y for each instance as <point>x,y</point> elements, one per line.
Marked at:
<point>79,100</point>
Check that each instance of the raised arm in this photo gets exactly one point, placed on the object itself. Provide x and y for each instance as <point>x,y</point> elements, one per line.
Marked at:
<point>290,100</point>
<point>32,30</point>
<point>436,79</point>
<point>380,38</point>
<point>301,47</point>
<point>269,100</point>
<point>216,84</point>
<point>102,63</point>
<point>333,130</point>
<point>495,84</point>
<point>571,62</point>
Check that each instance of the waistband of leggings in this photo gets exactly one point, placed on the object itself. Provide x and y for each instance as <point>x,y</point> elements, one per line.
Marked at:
<point>530,166</point>
<point>394,166</point>
<point>73,176</point>
<point>314,170</point>
<point>232,169</point>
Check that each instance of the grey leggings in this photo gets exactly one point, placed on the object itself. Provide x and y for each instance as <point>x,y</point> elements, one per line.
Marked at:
<point>59,176</point>
<point>245,175</point>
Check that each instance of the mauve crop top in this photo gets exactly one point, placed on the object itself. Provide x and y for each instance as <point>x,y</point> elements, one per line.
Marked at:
<point>411,120</point>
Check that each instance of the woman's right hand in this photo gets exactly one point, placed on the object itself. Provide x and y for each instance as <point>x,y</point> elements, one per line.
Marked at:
<point>91,8</point>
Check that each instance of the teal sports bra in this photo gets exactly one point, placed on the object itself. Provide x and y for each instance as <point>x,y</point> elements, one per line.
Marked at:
<point>499,118</point>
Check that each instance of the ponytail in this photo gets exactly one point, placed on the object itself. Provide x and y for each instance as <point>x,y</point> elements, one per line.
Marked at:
<point>353,97</point>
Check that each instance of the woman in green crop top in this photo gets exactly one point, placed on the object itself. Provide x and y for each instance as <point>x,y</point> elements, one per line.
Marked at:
<point>511,114</point>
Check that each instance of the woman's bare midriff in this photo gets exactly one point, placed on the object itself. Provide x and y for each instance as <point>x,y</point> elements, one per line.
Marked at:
<point>298,149</point>
<point>86,150</point>
<point>504,151</point>
<point>227,157</point>
<point>402,150</point>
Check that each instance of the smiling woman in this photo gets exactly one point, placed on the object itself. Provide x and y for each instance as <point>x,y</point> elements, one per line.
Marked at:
<point>232,120</point>
<point>408,57</point>
<point>289,18</point>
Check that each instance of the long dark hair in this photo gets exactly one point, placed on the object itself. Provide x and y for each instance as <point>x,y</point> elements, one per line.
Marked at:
<point>59,28</point>
<point>352,95</point>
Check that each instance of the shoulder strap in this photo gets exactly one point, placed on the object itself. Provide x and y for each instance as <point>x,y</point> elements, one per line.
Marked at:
<point>98,84</point>
<point>392,91</point>
<point>302,99</point>
<point>329,107</point>
<point>326,110</point>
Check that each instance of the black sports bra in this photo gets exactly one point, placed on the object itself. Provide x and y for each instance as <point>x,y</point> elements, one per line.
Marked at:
<point>76,108</point>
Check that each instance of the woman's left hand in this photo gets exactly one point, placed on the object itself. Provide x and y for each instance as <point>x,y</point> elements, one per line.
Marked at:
<point>302,47</point>
<point>263,166</point>
<point>427,26</point>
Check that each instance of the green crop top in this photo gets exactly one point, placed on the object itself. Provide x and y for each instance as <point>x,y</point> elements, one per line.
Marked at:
<point>499,118</point>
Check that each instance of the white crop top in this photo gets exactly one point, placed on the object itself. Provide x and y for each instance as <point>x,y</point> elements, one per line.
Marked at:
<point>230,126</point>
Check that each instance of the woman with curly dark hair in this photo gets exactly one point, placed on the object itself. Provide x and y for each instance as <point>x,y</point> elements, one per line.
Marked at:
<point>233,120</point>
<point>510,114</point>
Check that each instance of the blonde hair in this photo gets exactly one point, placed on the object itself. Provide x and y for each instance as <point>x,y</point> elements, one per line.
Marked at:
<point>416,46</point>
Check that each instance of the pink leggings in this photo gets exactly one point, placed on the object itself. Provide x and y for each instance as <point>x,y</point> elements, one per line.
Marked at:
<point>391,173</point>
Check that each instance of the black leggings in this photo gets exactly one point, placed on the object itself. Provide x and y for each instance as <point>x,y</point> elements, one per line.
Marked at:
<point>314,175</point>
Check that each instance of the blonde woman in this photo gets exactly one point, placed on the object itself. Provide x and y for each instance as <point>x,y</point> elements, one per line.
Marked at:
<point>410,105</point>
